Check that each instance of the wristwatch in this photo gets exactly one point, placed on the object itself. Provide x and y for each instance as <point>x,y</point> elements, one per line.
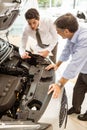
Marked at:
<point>60,84</point>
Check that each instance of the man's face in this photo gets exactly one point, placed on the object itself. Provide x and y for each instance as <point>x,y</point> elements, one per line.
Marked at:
<point>62,33</point>
<point>33,23</point>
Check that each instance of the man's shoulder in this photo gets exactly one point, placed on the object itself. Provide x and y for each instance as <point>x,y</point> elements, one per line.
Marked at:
<point>26,27</point>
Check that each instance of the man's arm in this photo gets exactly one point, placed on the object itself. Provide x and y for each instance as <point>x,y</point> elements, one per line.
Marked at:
<point>23,44</point>
<point>54,66</point>
<point>79,59</point>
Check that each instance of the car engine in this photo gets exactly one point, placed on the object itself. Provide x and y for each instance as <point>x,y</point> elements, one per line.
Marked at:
<point>23,84</point>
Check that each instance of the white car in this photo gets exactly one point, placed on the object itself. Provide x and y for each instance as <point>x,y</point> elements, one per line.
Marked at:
<point>24,102</point>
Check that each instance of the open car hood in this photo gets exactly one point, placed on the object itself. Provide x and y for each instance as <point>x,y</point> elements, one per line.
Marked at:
<point>9,10</point>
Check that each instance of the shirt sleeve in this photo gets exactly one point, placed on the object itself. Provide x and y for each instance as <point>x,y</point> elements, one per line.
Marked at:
<point>79,58</point>
<point>65,53</point>
<point>24,40</point>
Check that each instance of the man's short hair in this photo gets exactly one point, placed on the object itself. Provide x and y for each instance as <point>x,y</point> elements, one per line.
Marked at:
<point>67,21</point>
<point>32,14</point>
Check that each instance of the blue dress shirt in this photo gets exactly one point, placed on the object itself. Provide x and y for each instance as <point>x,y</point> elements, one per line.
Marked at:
<point>77,49</point>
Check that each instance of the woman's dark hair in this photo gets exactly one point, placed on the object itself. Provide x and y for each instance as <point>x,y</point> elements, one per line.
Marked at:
<point>32,14</point>
<point>67,21</point>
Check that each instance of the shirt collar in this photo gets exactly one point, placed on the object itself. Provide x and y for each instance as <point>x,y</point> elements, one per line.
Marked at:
<point>74,38</point>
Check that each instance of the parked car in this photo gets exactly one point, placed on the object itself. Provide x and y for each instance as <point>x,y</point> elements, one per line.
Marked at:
<point>23,83</point>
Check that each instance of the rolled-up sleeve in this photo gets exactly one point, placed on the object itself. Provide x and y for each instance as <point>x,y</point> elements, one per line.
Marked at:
<point>78,61</point>
<point>65,53</point>
<point>24,40</point>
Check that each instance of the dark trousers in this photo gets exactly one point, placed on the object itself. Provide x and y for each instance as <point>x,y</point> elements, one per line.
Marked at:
<point>80,89</point>
<point>54,51</point>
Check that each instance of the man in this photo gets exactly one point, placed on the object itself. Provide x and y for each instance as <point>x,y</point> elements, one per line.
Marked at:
<point>76,47</point>
<point>49,39</point>
<point>48,36</point>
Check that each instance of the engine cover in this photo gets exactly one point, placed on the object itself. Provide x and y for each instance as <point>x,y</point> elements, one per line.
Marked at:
<point>9,86</point>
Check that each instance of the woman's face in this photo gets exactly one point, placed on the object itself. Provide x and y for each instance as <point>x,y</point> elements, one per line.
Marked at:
<point>33,23</point>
